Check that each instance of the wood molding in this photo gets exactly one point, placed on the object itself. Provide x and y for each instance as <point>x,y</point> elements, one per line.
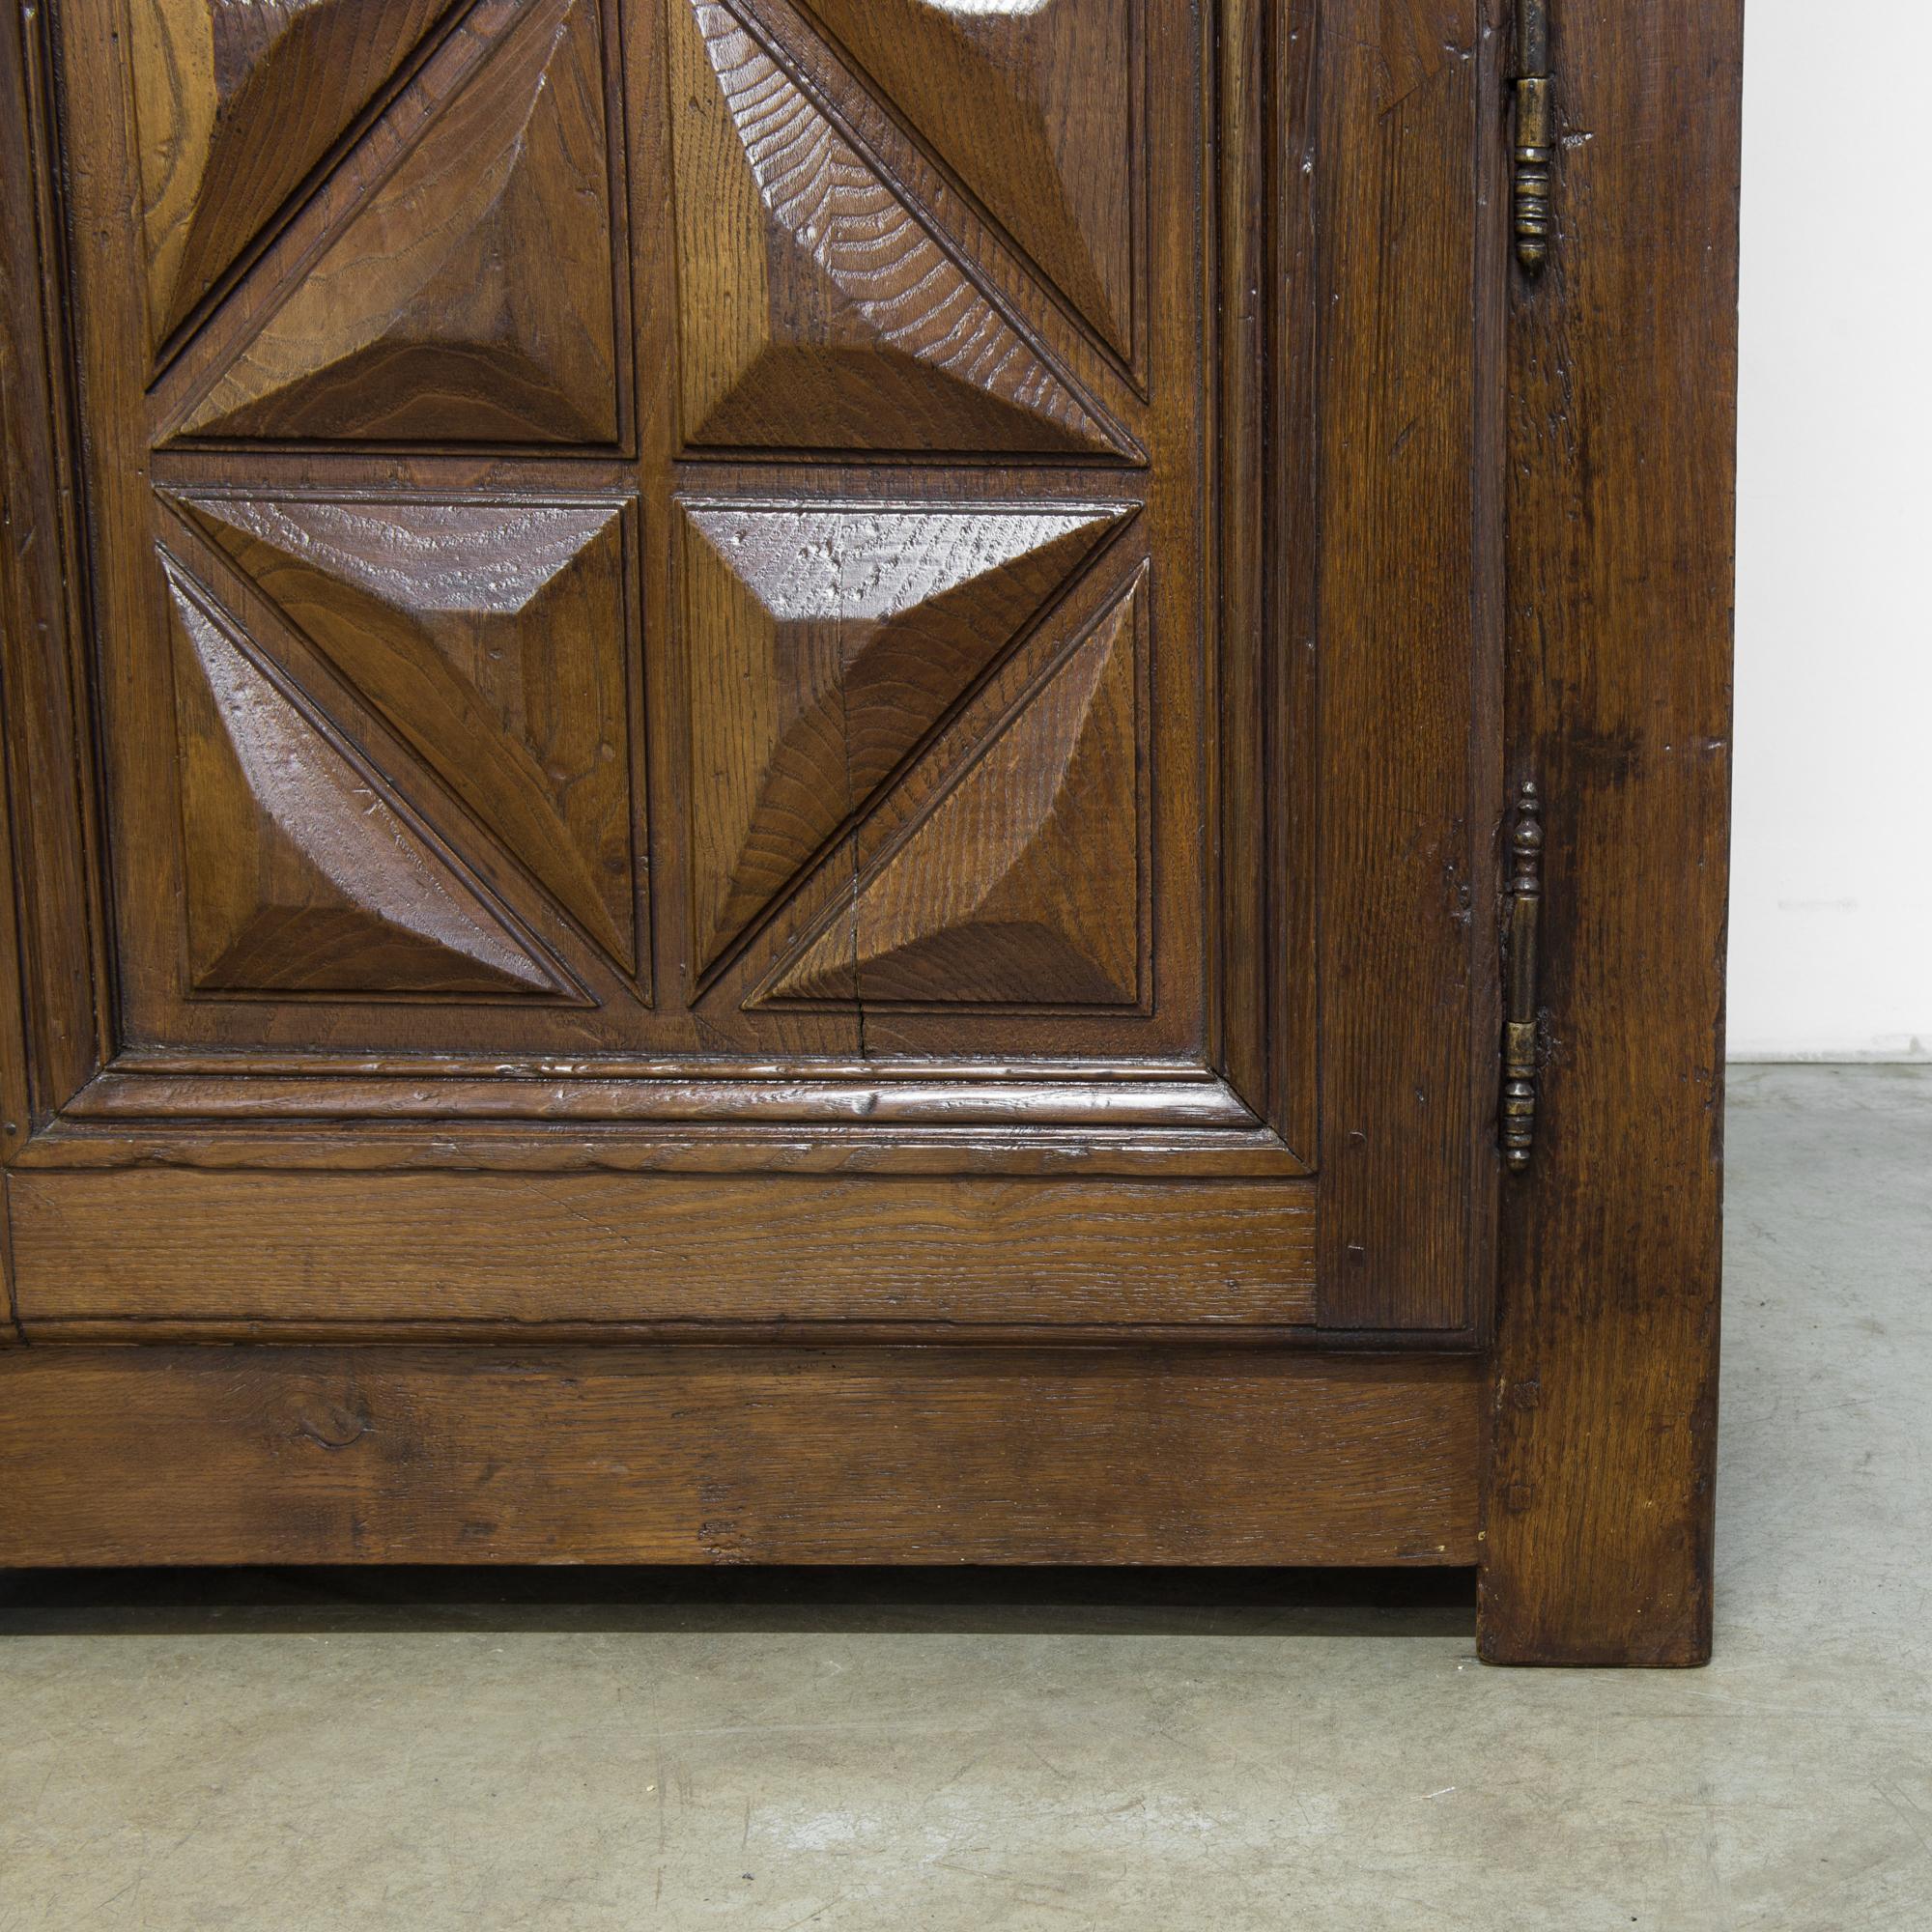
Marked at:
<point>1622,423</point>
<point>927,1097</point>
<point>1266,1043</point>
<point>51,1025</point>
<point>375,1115</point>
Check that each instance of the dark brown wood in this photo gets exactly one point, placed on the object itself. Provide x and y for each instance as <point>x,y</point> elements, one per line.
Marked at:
<point>705,1455</point>
<point>415,318</point>
<point>238,107</point>
<point>1623,374</point>
<point>1406,159</point>
<point>867,685</point>
<point>53,1038</point>
<point>1264,710</point>
<point>827,674</point>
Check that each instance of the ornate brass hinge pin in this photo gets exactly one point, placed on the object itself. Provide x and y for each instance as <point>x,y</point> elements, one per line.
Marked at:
<point>1535,136</point>
<point>1526,887</point>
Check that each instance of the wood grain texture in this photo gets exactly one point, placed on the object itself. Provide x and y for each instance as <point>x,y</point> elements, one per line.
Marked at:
<point>493,637</point>
<point>1036,107</point>
<point>52,1035</point>
<point>1622,430</point>
<point>459,1250</point>
<point>1022,885</point>
<point>1408,639</point>
<point>1268,520</point>
<point>468,297</point>
<point>529,810</point>
<point>238,1086</point>
<point>695,1455</point>
<point>237,102</point>
<point>417,279</point>
<point>649,1116</point>
<point>818,306</point>
<point>305,873</point>
<point>824,643</point>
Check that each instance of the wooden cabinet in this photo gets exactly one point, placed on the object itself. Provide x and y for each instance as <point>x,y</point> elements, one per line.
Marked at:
<point>762,757</point>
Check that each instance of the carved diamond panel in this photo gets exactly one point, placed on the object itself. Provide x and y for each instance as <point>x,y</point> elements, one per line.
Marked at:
<point>1021,886</point>
<point>818,308</point>
<point>1032,103</point>
<point>823,643</point>
<point>492,639</point>
<point>468,297</point>
<point>304,873</point>
<point>236,102</point>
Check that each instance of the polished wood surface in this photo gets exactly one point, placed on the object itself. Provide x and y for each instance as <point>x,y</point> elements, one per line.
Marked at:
<point>844,695</point>
<point>818,308</point>
<point>468,292</point>
<point>729,684</point>
<point>55,1032</point>
<point>491,633</point>
<point>827,642</point>
<point>237,106</point>
<point>737,1456</point>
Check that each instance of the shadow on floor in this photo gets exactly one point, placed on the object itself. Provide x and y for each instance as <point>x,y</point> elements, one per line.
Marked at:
<point>919,1602</point>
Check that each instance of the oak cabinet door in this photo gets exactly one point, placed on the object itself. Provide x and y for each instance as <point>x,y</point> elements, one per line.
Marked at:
<point>773,666</point>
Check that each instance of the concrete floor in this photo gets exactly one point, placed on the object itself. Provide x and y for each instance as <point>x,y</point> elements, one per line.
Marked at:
<point>1150,1752</point>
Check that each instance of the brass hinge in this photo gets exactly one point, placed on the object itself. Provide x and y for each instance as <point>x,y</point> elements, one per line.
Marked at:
<point>1518,1112</point>
<point>1535,136</point>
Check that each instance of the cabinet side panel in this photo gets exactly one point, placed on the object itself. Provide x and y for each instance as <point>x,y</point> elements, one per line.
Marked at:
<point>1623,378</point>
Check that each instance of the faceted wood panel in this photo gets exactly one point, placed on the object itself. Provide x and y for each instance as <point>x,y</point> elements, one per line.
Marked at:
<point>823,644</point>
<point>1021,886</point>
<point>818,307</point>
<point>469,298</point>
<point>494,638</point>
<point>304,874</point>
<point>237,102</point>
<point>1031,103</point>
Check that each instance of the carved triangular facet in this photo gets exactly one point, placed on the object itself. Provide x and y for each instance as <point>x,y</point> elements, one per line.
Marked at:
<point>1022,885</point>
<point>237,100</point>
<point>491,638</point>
<point>1031,105</point>
<point>818,310</point>
<point>824,644</point>
<point>302,874</point>
<point>469,296</point>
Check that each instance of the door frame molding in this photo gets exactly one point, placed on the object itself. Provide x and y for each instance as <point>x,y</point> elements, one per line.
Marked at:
<point>54,1031</point>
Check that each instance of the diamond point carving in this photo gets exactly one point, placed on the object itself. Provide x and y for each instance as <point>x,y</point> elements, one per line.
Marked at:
<point>819,308</point>
<point>825,642</point>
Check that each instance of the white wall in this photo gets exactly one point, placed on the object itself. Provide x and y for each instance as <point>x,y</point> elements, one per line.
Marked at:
<point>1832,869</point>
